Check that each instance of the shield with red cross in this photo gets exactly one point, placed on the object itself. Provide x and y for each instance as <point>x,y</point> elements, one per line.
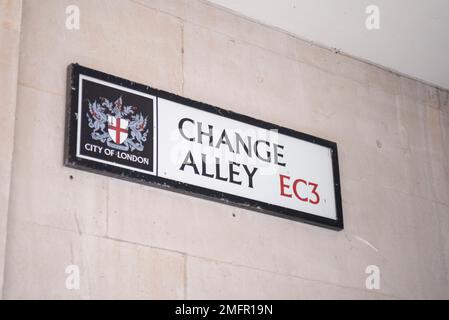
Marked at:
<point>118,129</point>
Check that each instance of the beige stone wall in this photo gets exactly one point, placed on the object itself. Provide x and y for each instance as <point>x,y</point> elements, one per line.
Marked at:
<point>135,241</point>
<point>10,21</point>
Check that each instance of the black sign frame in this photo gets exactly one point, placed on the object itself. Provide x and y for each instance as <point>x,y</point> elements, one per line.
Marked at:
<point>71,160</point>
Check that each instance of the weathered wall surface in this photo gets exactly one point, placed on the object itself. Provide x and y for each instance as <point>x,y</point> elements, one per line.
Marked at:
<point>135,241</point>
<point>10,17</point>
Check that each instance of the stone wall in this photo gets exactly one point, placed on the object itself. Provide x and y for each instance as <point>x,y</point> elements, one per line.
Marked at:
<point>135,241</point>
<point>10,21</point>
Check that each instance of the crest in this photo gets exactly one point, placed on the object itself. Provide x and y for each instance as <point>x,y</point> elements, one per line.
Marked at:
<point>117,125</point>
<point>117,129</point>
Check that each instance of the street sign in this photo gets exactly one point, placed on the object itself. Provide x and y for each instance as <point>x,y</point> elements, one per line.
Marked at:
<point>128,130</point>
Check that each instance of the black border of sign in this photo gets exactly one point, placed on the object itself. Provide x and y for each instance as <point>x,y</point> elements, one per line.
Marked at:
<point>70,159</point>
